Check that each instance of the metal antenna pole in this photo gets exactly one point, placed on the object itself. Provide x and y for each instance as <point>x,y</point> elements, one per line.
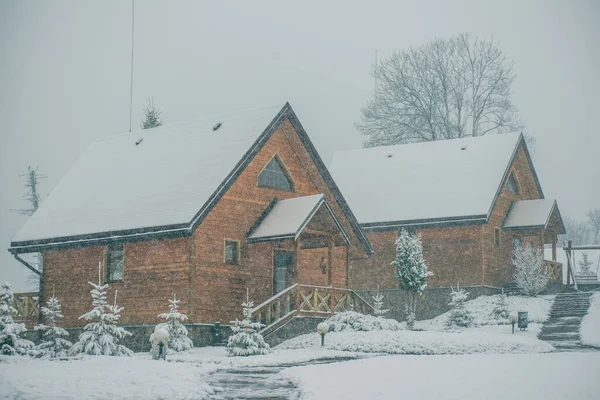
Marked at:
<point>131,83</point>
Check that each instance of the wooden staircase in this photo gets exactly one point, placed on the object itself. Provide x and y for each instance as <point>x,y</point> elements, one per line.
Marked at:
<point>306,301</point>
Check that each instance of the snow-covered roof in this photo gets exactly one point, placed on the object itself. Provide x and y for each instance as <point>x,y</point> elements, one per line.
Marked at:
<point>529,214</point>
<point>164,181</point>
<point>287,218</point>
<point>420,183</point>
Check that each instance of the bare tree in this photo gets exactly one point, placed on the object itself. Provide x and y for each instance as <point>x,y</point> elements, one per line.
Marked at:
<point>443,90</point>
<point>594,223</point>
<point>32,179</point>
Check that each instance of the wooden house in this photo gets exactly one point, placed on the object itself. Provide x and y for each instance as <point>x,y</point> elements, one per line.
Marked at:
<point>472,201</point>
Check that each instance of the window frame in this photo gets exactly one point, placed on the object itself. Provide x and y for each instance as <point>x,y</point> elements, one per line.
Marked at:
<point>226,241</point>
<point>284,169</point>
<point>111,248</point>
<point>497,236</point>
<point>513,178</point>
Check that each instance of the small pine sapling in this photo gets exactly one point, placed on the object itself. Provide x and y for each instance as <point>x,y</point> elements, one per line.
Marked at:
<point>585,265</point>
<point>500,311</point>
<point>411,271</point>
<point>10,341</point>
<point>53,343</point>
<point>459,315</point>
<point>378,305</point>
<point>152,116</point>
<point>246,341</point>
<point>529,272</point>
<point>178,334</point>
<point>102,335</point>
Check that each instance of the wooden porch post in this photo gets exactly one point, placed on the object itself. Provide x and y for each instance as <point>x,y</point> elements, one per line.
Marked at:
<point>330,261</point>
<point>554,239</point>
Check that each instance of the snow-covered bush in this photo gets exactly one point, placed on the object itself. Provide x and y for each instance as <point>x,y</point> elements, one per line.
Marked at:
<point>585,265</point>
<point>411,270</point>
<point>500,311</point>
<point>52,342</point>
<point>102,336</point>
<point>178,334</point>
<point>459,316</point>
<point>378,309</point>
<point>246,341</point>
<point>351,321</point>
<point>10,342</point>
<point>529,272</point>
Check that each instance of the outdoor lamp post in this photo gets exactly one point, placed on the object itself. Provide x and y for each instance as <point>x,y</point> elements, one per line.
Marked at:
<point>322,329</point>
<point>513,319</point>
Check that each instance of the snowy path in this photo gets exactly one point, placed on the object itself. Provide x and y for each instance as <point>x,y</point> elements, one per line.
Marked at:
<point>246,383</point>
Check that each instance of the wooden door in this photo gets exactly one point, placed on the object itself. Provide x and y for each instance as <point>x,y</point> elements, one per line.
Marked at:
<point>283,270</point>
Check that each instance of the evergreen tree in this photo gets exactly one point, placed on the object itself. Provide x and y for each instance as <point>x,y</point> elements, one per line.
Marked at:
<point>178,334</point>
<point>529,272</point>
<point>500,311</point>
<point>459,315</point>
<point>378,305</point>
<point>585,265</point>
<point>102,335</point>
<point>52,343</point>
<point>246,341</point>
<point>10,342</point>
<point>152,116</point>
<point>411,271</point>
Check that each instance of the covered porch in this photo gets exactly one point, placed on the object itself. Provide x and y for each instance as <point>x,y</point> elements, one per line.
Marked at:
<point>538,222</point>
<point>310,260</point>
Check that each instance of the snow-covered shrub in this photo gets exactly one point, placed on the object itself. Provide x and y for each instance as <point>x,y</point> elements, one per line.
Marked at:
<point>52,342</point>
<point>351,321</point>
<point>459,316</point>
<point>102,336</point>
<point>246,341</point>
<point>10,342</point>
<point>585,265</point>
<point>529,270</point>
<point>378,309</point>
<point>179,340</point>
<point>500,311</point>
<point>411,270</point>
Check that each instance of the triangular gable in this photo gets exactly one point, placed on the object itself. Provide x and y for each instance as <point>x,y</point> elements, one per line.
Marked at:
<point>287,219</point>
<point>181,230</point>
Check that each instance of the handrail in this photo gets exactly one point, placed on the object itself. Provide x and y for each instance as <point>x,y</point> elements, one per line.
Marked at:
<point>272,298</point>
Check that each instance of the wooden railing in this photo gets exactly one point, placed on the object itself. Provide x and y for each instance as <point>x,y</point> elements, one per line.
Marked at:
<point>307,300</point>
<point>553,270</point>
<point>27,306</point>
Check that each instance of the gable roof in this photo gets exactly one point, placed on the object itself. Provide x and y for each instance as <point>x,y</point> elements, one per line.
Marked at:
<point>452,181</point>
<point>532,214</point>
<point>286,219</point>
<point>163,187</point>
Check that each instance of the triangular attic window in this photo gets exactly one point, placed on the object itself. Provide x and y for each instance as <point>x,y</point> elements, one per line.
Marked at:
<point>275,176</point>
<point>512,185</point>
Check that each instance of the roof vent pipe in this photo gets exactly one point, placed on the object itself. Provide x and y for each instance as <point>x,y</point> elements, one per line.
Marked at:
<point>137,142</point>
<point>217,126</point>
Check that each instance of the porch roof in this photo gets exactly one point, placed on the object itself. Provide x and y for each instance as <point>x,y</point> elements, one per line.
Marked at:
<point>286,219</point>
<point>533,214</point>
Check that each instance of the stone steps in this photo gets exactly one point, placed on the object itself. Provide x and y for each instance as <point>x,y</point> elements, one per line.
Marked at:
<point>562,328</point>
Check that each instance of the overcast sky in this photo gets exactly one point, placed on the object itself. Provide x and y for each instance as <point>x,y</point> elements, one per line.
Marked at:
<point>64,76</point>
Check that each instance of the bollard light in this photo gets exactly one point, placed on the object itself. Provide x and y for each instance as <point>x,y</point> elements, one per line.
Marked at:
<point>322,329</point>
<point>513,320</point>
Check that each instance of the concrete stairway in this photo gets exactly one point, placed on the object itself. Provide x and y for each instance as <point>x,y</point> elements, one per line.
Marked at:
<point>562,328</point>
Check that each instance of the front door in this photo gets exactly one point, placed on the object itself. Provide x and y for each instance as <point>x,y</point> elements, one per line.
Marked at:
<point>283,270</point>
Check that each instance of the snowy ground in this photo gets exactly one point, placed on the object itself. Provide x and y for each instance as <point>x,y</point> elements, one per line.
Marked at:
<point>490,377</point>
<point>590,325</point>
<point>101,377</point>
<point>538,309</point>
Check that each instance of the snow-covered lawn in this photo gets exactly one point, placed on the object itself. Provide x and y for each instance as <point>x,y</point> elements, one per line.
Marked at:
<point>590,325</point>
<point>490,377</point>
<point>469,341</point>
<point>538,309</point>
<point>102,377</point>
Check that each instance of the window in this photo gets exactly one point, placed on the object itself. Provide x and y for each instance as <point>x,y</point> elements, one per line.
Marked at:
<point>497,236</point>
<point>232,252</point>
<point>517,241</point>
<point>275,176</point>
<point>512,185</point>
<point>114,262</point>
